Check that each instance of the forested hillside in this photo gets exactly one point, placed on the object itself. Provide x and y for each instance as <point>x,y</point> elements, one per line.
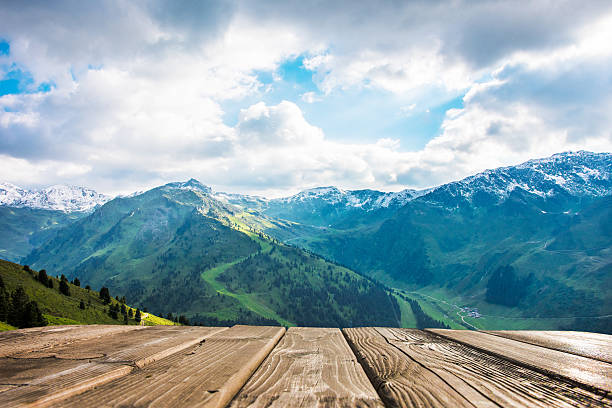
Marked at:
<point>178,249</point>
<point>31,298</point>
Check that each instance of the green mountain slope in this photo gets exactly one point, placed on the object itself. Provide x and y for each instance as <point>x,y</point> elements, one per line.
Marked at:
<point>23,229</point>
<point>560,259</point>
<point>176,248</point>
<point>58,308</point>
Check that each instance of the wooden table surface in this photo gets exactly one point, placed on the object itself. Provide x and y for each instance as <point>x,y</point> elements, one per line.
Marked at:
<point>251,366</point>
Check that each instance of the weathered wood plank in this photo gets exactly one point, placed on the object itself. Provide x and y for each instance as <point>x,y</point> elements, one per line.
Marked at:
<point>40,338</point>
<point>207,375</point>
<point>580,369</point>
<point>592,345</point>
<point>399,380</point>
<point>134,348</point>
<point>486,380</point>
<point>50,375</point>
<point>310,367</point>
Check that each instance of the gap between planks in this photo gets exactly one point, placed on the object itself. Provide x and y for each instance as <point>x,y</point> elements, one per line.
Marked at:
<point>583,371</point>
<point>206,375</point>
<point>50,375</point>
<point>489,380</point>
<point>591,345</point>
<point>310,367</point>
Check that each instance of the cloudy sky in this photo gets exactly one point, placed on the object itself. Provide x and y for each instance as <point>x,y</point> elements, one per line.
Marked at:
<point>271,97</point>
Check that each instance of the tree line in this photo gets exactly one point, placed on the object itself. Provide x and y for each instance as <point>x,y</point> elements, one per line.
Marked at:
<point>18,310</point>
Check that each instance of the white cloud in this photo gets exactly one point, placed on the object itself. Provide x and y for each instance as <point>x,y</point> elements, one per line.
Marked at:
<point>152,109</point>
<point>310,97</point>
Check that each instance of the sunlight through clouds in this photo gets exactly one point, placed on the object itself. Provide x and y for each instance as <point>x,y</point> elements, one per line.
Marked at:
<point>266,97</point>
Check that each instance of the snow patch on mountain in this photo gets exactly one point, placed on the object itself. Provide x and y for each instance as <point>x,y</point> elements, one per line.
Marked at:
<point>574,173</point>
<point>58,197</point>
<point>191,184</point>
<point>368,200</point>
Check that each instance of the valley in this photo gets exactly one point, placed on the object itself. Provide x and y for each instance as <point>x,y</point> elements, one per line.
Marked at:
<point>522,247</point>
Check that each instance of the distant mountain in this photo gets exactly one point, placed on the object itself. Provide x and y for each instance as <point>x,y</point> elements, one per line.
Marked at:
<point>529,245</point>
<point>22,229</point>
<point>178,248</point>
<point>577,174</point>
<point>30,217</point>
<point>57,198</point>
<point>547,221</point>
<point>572,174</point>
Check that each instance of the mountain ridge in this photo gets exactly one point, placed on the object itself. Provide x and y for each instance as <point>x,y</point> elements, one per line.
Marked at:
<point>56,198</point>
<point>76,199</point>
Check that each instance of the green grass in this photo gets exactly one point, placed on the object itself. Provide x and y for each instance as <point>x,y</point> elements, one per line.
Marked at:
<point>249,301</point>
<point>438,310</point>
<point>158,321</point>
<point>58,321</point>
<point>408,320</point>
<point>6,326</point>
<point>59,309</point>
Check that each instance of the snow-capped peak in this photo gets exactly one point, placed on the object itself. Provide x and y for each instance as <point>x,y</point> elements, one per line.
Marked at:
<point>367,200</point>
<point>57,197</point>
<point>191,184</point>
<point>574,173</point>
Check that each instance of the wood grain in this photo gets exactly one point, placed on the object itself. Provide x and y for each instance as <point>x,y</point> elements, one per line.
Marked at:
<point>40,338</point>
<point>592,345</point>
<point>206,375</point>
<point>50,375</point>
<point>134,348</point>
<point>399,380</point>
<point>586,371</point>
<point>486,380</point>
<point>310,367</point>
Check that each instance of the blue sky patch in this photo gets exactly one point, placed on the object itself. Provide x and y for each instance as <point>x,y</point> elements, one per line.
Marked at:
<point>5,47</point>
<point>9,87</point>
<point>293,71</point>
<point>17,81</point>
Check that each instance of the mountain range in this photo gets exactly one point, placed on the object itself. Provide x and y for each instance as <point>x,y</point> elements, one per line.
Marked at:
<point>57,198</point>
<point>526,246</point>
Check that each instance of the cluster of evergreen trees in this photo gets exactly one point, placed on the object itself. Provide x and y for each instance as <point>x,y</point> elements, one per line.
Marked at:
<point>118,308</point>
<point>505,287</point>
<point>46,280</point>
<point>18,310</point>
<point>303,289</point>
<point>182,319</point>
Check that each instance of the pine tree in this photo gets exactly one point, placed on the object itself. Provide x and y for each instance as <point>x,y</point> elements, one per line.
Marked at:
<point>32,316</point>
<point>82,305</point>
<point>63,286</point>
<point>125,319</point>
<point>50,283</point>
<point>42,277</point>
<point>105,295</point>
<point>19,300</point>
<point>76,282</point>
<point>113,310</point>
<point>137,317</point>
<point>23,312</point>
<point>5,302</point>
